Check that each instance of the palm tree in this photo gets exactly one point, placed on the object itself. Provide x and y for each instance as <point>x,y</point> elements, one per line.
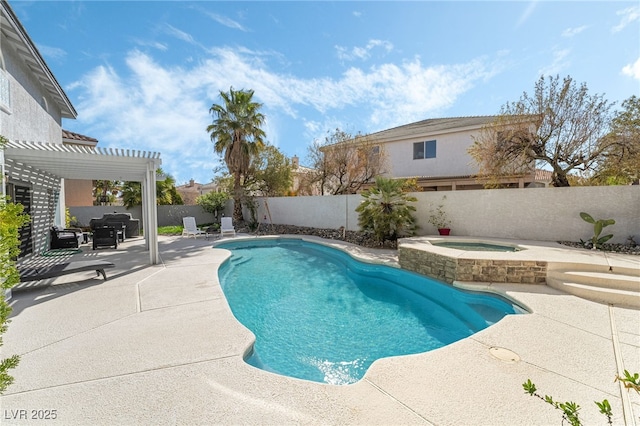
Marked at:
<point>166,193</point>
<point>106,191</point>
<point>236,132</point>
<point>386,211</point>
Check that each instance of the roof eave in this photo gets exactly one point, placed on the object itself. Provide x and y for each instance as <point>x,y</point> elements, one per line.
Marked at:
<point>38,65</point>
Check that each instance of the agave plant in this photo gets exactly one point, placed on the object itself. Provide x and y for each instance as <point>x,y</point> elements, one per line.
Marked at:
<point>386,211</point>
<point>598,225</point>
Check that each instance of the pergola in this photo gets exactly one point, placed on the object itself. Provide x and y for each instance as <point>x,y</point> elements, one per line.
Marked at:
<point>93,163</point>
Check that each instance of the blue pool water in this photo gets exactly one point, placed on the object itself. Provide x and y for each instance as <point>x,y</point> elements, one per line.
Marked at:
<point>320,315</point>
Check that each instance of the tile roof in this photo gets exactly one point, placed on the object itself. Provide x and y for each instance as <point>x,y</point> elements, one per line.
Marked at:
<point>69,136</point>
<point>433,126</point>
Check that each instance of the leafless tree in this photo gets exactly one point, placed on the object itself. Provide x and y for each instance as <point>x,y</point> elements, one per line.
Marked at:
<point>560,125</point>
<point>343,163</point>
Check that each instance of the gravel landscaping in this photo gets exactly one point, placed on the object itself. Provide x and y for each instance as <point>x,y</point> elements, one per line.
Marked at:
<point>354,237</point>
<point>615,248</point>
<point>366,240</point>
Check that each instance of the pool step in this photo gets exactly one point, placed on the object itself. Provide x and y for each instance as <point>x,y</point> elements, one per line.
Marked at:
<point>619,287</point>
<point>240,259</point>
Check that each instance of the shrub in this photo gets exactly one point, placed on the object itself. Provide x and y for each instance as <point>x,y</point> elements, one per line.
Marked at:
<point>11,219</point>
<point>386,212</point>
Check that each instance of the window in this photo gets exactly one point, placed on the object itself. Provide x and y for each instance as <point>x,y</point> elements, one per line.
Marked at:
<point>426,149</point>
<point>374,154</point>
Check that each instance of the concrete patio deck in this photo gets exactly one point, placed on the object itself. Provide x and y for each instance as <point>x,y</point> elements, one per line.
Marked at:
<point>158,345</point>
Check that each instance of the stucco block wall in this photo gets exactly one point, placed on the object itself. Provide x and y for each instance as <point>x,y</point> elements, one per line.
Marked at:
<point>167,215</point>
<point>544,214</point>
<point>330,212</point>
<point>34,116</point>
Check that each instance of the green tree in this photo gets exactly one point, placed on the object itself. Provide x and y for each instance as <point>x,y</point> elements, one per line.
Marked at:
<point>11,219</point>
<point>236,132</point>
<point>386,210</point>
<point>621,164</point>
<point>560,125</point>
<point>106,190</point>
<point>270,173</point>
<point>213,202</point>
<point>224,181</point>
<point>166,193</point>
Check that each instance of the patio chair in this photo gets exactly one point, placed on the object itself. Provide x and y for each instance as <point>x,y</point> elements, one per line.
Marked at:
<point>190,227</point>
<point>64,238</point>
<point>105,236</point>
<point>226,227</point>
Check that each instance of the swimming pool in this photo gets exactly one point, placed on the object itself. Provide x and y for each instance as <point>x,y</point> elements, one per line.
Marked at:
<point>320,315</point>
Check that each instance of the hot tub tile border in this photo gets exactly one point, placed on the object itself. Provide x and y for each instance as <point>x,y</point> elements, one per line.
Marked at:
<point>449,269</point>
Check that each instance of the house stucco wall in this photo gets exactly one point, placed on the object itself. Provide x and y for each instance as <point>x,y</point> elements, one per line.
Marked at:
<point>78,192</point>
<point>451,158</point>
<point>33,116</point>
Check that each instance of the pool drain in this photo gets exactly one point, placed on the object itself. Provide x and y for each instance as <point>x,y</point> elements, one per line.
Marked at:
<point>504,354</point>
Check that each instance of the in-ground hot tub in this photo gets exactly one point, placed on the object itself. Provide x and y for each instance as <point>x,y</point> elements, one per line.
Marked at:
<point>471,260</point>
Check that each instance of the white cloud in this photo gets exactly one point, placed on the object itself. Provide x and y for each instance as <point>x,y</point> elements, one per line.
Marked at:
<point>559,63</point>
<point>179,34</point>
<point>51,52</point>
<point>166,109</point>
<point>632,70</point>
<point>526,13</point>
<point>357,52</point>
<point>226,21</point>
<point>570,32</point>
<point>154,44</point>
<point>629,15</point>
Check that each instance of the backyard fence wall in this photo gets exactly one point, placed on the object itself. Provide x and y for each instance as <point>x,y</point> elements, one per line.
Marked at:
<point>544,214</point>
<point>167,215</point>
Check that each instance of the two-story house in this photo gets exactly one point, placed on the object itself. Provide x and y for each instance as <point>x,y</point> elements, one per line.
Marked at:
<point>34,162</point>
<point>192,190</point>
<point>434,152</point>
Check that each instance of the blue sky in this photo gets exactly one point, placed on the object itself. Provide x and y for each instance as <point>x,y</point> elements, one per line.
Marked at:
<point>143,74</point>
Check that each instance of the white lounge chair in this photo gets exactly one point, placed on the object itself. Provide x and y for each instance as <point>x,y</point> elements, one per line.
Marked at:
<point>226,227</point>
<point>190,227</point>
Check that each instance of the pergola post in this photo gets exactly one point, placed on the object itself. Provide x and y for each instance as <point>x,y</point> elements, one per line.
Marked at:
<point>149,206</point>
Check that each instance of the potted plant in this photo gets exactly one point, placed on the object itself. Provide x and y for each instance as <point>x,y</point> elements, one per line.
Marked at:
<point>438,218</point>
